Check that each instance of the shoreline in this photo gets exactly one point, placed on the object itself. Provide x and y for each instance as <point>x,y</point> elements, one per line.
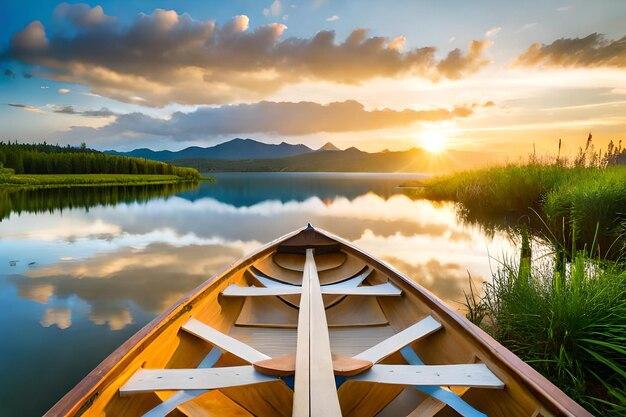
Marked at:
<point>34,181</point>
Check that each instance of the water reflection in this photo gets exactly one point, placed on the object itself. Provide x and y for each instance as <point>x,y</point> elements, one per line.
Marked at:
<point>99,271</point>
<point>52,199</point>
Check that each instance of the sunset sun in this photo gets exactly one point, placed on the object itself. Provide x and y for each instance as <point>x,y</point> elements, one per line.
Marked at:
<point>433,141</point>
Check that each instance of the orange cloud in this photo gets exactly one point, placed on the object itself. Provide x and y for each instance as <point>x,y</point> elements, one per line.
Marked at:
<point>591,51</point>
<point>165,57</point>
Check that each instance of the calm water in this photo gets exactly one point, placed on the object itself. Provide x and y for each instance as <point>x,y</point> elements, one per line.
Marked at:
<point>82,270</point>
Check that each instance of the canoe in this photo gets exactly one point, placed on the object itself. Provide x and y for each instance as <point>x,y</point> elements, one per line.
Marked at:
<point>310,325</point>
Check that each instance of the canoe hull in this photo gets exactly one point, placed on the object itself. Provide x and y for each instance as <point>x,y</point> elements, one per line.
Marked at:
<point>359,321</point>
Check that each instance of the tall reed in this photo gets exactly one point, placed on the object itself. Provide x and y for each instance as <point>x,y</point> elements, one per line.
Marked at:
<point>566,317</point>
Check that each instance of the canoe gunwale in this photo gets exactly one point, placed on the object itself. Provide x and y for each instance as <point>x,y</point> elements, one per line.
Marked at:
<point>79,399</point>
<point>520,370</point>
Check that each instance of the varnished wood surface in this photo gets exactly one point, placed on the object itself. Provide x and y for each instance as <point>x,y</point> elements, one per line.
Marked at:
<point>347,341</point>
<point>161,344</point>
<point>295,261</point>
<point>315,394</point>
<point>273,312</point>
<point>522,381</point>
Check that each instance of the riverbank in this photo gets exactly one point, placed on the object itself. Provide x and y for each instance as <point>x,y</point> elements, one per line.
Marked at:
<point>561,312</point>
<point>575,205</point>
<point>86,180</point>
<point>566,317</point>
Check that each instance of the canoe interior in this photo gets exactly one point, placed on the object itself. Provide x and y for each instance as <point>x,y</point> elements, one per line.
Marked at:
<point>269,324</point>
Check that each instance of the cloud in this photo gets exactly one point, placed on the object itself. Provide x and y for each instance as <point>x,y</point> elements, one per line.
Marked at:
<point>493,32</point>
<point>455,65</point>
<point>274,10</point>
<point>60,317</point>
<point>26,107</point>
<point>82,16</point>
<point>165,57</point>
<point>591,51</point>
<point>526,27</point>
<point>63,91</point>
<point>103,112</point>
<point>282,118</point>
<point>333,18</point>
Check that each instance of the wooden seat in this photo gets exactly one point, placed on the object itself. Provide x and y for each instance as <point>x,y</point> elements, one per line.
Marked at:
<point>148,380</point>
<point>380,290</point>
<point>441,396</point>
<point>396,342</point>
<point>224,342</point>
<point>182,397</point>
<point>472,375</point>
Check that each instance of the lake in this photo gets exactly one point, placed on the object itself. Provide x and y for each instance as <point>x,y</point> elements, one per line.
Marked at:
<point>82,269</point>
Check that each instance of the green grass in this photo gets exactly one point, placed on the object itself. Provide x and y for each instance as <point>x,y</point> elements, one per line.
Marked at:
<point>56,180</point>
<point>573,202</point>
<point>568,321</point>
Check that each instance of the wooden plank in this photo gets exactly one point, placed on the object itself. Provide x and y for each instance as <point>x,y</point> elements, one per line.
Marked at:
<point>182,397</point>
<point>349,269</point>
<point>439,396</point>
<point>324,399</point>
<point>270,282</point>
<point>295,261</point>
<point>273,312</point>
<point>315,393</point>
<point>148,380</point>
<point>224,342</point>
<point>396,342</point>
<point>472,375</point>
<point>347,341</point>
<point>234,290</point>
<point>352,282</point>
<point>302,380</point>
<point>381,290</point>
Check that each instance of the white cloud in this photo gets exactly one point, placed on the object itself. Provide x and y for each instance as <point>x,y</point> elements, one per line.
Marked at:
<point>526,27</point>
<point>274,10</point>
<point>63,91</point>
<point>493,31</point>
<point>333,18</point>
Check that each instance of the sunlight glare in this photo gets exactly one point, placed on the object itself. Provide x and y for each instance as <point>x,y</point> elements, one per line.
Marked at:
<point>433,141</point>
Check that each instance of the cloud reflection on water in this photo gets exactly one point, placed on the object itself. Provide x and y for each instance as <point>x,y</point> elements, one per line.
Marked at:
<point>148,255</point>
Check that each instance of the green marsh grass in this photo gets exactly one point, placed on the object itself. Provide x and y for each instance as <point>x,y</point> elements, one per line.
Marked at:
<point>567,319</point>
<point>55,180</point>
<point>573,202</point>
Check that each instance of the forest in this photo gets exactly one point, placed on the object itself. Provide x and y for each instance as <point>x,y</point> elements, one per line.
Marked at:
<point>45,158</point>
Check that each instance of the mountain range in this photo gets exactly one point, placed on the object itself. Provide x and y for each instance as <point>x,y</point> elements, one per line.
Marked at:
<point>248,155</point>
<point>235,149</point>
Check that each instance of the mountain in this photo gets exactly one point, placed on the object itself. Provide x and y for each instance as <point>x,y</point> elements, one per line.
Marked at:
<point>328,146</point>
<point>235,149</point>
<point>349,160</point>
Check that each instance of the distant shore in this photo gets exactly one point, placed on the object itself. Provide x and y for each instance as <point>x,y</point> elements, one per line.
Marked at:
<point>86,180</point>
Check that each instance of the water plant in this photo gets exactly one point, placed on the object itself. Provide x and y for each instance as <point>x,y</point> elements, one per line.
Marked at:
<point>566,317</point>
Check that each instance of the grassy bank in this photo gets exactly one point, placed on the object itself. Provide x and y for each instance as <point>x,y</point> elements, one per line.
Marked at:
<point>577,204</point>
<point>62,180</point>
<point>567,320</point>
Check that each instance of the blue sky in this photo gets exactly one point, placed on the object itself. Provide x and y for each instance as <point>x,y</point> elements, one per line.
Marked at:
<point>124,75</point>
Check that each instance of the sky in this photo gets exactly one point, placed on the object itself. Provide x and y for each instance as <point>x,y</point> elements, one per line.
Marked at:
<point>497,77</point>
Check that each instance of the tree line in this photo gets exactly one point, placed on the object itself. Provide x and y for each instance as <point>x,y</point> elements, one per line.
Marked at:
<point>43,158</point>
